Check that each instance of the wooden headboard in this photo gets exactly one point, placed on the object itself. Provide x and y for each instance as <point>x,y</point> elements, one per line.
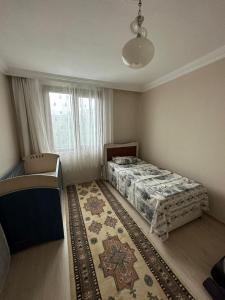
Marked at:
<point>130,149</point>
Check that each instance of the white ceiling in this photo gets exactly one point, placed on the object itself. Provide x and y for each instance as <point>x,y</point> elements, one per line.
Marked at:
<point>84,38</point>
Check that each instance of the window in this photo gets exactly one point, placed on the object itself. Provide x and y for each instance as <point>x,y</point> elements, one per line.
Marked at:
<point>66,122</point>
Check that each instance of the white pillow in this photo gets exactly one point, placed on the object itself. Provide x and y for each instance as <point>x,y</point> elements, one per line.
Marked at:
<point>125,160</point>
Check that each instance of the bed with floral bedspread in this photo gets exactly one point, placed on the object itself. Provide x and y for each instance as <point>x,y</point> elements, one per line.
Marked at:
<point>162,197</point>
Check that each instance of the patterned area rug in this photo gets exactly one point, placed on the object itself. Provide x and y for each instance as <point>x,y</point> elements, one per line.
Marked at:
<point>111,258</point>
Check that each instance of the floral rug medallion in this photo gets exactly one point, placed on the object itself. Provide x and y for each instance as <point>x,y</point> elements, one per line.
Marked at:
<point>95,205</point>
<point>95,227</point>
<point>109,221</point>
<point>111,258</point>
<point>118,261</point>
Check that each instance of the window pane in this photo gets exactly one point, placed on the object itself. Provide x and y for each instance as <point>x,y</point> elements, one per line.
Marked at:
<point>87,121</point>
<point>61,120</point>
<point>64,132</point>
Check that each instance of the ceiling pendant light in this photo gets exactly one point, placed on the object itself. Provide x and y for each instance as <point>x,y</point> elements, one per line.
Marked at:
<point>139,51</point>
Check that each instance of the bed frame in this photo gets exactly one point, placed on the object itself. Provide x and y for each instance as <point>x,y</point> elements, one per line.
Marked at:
<point>131,149</point>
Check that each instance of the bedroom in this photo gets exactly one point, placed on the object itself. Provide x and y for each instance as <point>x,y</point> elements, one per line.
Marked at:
<point>145,146</point>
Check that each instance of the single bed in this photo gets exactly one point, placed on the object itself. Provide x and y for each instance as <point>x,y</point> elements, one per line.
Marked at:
<point>165,199</point>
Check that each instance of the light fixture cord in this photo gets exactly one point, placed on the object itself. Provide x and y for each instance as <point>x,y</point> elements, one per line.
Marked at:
<point>139,5</point>
<point>140,18</point>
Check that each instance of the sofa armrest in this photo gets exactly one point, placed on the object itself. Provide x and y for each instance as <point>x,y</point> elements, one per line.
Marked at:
<point>59,174</point>
<point>27,182</point>
<point>57,169</point>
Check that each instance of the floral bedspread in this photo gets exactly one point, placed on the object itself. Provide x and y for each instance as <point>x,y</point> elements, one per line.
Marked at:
<point>160,196</point>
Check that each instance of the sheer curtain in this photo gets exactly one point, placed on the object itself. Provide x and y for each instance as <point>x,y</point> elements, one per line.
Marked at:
<point>31,118</point>
<point>73,121</point>
<point>81,125</point>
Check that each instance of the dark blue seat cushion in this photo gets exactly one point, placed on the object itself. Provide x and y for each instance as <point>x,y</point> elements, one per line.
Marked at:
<point>30,217</point>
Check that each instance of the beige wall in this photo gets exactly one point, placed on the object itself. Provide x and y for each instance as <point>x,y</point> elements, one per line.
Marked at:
<point>182,128</point>
<point>9,153</point>
<point>125,116</point>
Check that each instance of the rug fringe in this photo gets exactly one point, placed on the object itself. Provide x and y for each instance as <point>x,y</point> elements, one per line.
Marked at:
<point>71,270</point>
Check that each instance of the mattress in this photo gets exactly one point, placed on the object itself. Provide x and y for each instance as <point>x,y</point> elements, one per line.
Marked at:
<point>160,196</point>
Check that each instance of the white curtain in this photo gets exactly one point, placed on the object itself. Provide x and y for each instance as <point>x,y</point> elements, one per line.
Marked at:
<point>31,118</point>
<point>75,122</point>
<point>81,125</point>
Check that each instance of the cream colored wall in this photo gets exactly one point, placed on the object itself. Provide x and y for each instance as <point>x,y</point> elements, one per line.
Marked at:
<point>9,153</point>
<point>125,116</point>
<point>182,128</point>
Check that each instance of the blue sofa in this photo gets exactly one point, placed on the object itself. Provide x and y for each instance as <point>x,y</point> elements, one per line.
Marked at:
<point>30,207</point>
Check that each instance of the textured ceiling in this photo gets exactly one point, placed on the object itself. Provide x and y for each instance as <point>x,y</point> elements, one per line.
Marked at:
<point>84,38</point>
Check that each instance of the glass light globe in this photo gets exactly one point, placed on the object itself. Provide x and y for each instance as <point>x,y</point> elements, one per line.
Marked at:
<point>134,26</point>
<point>135,29</point>
<point>143,32</point>
<point>138,52</point>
